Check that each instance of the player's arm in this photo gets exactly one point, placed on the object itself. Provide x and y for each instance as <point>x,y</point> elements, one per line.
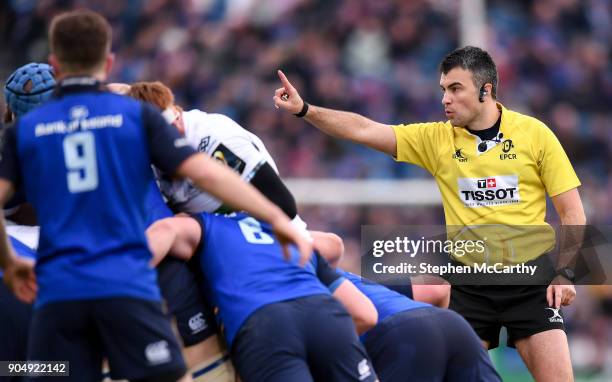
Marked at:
<point>267,181</point>
<point>339,124</point>
<point>178,236</point>
<point>226,185</point>
<point>172,154</point>
<point>360,307</point>
<point>18,272</point>
<point>329,245</point>
<point>7,255</point>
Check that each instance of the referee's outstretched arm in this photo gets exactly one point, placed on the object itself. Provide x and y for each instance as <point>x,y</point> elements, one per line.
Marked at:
<point>339,124</point>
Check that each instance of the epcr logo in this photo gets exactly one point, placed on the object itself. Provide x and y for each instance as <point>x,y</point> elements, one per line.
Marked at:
<point>507,145</point>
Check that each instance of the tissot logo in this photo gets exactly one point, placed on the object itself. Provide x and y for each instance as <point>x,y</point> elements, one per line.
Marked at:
<point>486,192</point>
<point>486,183</point>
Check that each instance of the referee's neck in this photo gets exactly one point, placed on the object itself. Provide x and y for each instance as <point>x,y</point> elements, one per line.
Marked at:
<point>487,118</point>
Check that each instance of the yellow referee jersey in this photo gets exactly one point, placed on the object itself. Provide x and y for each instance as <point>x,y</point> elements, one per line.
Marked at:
<point>503,185</point>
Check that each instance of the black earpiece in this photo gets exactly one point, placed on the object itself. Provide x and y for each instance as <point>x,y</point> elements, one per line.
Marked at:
<point>482,94</point>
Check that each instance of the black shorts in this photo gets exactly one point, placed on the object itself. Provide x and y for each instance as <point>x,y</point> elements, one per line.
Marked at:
<point>428,344</point>
<point>134,335</point>
<point>179,288</point>
<point>522,309</point>
<point>306,339</point>
<point>15,317</point>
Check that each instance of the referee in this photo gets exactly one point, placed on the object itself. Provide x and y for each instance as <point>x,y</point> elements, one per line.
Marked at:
<point>482,146</point>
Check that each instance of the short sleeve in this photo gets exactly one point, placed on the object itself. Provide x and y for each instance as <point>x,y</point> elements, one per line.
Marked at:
<point>556,171</point>
<point>418,143</point>
<point>235,148</point>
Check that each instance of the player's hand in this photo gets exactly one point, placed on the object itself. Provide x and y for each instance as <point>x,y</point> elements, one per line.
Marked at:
<point>287,234</point>
<point>19,276</point>
<point>561,292</point>
<point>286,97</point>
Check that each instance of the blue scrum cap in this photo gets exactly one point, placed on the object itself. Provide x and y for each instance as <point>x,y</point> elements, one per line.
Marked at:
<point>22,98</point>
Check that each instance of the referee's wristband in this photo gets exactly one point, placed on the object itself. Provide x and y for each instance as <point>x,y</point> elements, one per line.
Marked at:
<point>568,273</point>
<point>303,111</point>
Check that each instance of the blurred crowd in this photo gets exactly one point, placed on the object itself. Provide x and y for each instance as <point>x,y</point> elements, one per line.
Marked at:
<point>378,58</point>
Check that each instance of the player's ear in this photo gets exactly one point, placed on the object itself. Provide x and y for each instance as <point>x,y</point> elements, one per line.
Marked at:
<point>55,64</point>
<point>108,64</point>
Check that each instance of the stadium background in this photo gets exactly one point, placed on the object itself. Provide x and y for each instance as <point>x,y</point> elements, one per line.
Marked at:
<point>378,58</point>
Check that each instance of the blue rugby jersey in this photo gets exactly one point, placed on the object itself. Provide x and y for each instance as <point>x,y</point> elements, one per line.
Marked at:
<point>244,269</point>
<point>156,208</point>
<point>386,301</point>
<point>84,160</point>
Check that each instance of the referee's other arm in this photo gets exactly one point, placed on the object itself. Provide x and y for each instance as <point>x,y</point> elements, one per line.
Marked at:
<point>569,207</point>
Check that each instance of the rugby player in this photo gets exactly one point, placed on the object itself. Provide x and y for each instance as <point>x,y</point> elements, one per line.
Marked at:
<point>84,159</point>
<point>26,88</point>
<point>204,351</point>
<point>483,146</point>
<point>414,341</point>
<point>229,143</point>
<point>250,159</point>
<point>278,319</point>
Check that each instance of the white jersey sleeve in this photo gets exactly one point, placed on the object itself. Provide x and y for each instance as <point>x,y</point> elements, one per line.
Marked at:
<point>224,140</point>
<point>26,234</point>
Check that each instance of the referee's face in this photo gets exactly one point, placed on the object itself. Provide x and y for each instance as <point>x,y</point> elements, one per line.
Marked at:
<point>459,97</point>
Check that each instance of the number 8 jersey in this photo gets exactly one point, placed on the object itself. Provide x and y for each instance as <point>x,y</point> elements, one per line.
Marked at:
<point>84,160</point>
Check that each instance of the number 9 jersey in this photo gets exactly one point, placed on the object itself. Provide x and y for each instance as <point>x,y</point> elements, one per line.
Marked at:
<point>84,160</point>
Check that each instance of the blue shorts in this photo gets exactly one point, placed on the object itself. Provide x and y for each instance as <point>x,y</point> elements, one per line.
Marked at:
<point>15,317</point>
<point>428,344</point>
<point>194,317</point>
<point>305,339</point>
<point>404,287</point>
<point>134,335</point>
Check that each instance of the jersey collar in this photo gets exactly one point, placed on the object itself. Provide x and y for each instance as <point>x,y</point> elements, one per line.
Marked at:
<point>77,84</point>
<point>469,142</point>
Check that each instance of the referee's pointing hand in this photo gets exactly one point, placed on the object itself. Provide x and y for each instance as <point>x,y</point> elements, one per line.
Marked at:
<point>286,97</point>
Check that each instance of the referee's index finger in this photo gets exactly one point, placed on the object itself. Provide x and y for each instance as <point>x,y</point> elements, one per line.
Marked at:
<point>284,79</point>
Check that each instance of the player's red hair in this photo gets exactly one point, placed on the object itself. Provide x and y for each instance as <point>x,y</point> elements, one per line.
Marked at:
<point>155,93</point>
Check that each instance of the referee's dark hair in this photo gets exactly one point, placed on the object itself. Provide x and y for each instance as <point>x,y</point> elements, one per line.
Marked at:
<point>477,61</point>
